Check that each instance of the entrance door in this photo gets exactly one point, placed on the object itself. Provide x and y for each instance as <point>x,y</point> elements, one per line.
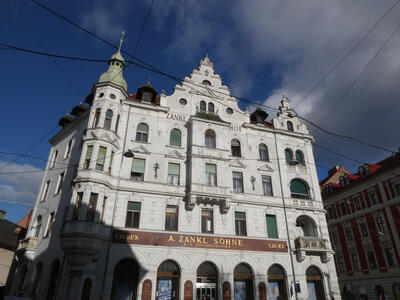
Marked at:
<point>206,282</point>
<point>315,284</point>
<point>168,275</point>
<point>206,291</point>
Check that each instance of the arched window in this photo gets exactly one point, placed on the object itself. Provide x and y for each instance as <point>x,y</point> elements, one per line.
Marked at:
<point>38,226</point>
<point>299,189</point>
<point>175,138</point>
<point>243,282</point>
<point>142,133</point>
<point>263,151</point>
<point>288,155</point>
<point>307,226</point>
<point>51,292</point>
<point>96,118</point>
<point>277,282</point>
<point>206,83</point>
<point>87,286</point>
<point>300,157</point>
<point>108,119</point>
<point>36,281</point>
<point>210,107</point>
<point>126,280</point>
<point>203,106</point>
<point>210,141</point>
<point>168,276</point>
<point>207,277</point>
<point>235,148</point>
<point>315,284</point>
<point>289,126</point>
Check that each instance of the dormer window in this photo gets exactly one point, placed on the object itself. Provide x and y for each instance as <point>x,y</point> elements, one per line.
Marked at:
<point>361,171</point>
<point>366,169</point>
<point>146,97</point>
<point>290,126</point>
<point>206,83</point>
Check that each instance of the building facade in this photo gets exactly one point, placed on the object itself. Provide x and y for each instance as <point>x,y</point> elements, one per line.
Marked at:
<point>184,196</point>
<point>364,225</point>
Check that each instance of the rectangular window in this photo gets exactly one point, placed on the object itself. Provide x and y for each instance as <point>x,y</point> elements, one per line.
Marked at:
<point>53,164</point>
<point>267,185</point>
<point>354,259</point>
<point>349,234</point>
<point>343,208</point>
<point>357,203</point>
<point>88,157</point>
<point>340,264</point>
<point>103,208</point>
<point>173,173</point>
<point>46,190</point>
<point>100,158</point>
<point>133,214</point>
<point>146,97</point>
<point>137,172</point>
<point>211,174</point>
<point>111,162</point>
<point>59,182</point>
<point>240,223</point>
<point>364,229</point>
<point>77,207</point>
<point>68,150</point>
<point>330,213</point>
<point>389,257</point>
<point>380,224</point>
<point>237,182</point>
<point>272,230</point>
<point>396,186</point>
<point>334,237</point>
<point>51,219</point>
<point>372,197</point>
<point>171,218</point>
<point>117,124</point>
<point>91,210</point>
<point>371,259</point>
<point>207,223</point>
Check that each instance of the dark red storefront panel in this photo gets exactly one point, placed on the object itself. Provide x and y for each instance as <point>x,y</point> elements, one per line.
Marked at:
<point>376,243</point>
<point>359,245</point>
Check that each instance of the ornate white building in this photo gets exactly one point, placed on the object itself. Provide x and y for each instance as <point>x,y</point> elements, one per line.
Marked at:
<point>183,196</point>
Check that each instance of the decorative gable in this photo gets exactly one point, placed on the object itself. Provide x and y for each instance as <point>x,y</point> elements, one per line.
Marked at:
<point>175,154</point>
<point>141,149</point>
<point>266,168</point>
<point>237,164</point>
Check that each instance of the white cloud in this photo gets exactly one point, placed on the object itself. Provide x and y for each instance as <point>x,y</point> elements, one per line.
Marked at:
<point>20,186</point>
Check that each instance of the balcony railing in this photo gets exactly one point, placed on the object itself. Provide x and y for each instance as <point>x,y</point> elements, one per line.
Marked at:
<point>306,245</point>
<point>29,243</point>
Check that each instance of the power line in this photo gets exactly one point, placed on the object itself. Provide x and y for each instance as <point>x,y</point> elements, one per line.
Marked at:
<point>348,53</point>
<point>43,47</point>
<point>360,74</point>
<point>339,154</point>
<point>17,202</point>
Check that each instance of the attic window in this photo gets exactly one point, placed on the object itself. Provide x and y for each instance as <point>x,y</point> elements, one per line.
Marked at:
<point>101,95</point>
<point>259,119</point>
<point>112,96</point>
<point>206,83</point>
<point>182,101</point>
<point>229,110</point>
<point>146,97</point>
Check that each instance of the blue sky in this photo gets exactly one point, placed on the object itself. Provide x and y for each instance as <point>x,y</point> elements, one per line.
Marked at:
<point>262,49</point>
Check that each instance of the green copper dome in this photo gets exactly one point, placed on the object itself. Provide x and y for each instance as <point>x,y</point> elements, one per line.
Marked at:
<point>114,73</point>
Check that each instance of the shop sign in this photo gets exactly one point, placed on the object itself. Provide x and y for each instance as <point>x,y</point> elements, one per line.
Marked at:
<point>197,241</point>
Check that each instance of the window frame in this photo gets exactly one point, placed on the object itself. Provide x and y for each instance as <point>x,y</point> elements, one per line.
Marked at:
<point>300,154</point>
<point>77,206</point>
<point>169,218</point>
<point>203,106</point>
<point>205,218</point>
<point>349,234</point>
<point>135,215</point>
<point>364,230</point>
<point>174,179</point>
<point>263,152</point>
<point>68,149</point>
<point>208,175</point>
<point>290,126</point>
<point>355,262</point>
<point>139,176</point>
<point>373,197</point>
<point>380,224</point>
<point>265,184</point>
<point>142,136</point>
<point>390,257</point>
<point>59,183</point>
<point>210,139</point>
<point>288,152</point>
<point>211,107</point>
<point>49,224</point>
<point>341,264</point>
<point>88,157</point>
<point>100,166</point>
<point>96,118</point>
<point>108,119</point>
<point>371,262</point>
<point>240,230</point>
<point>237,182</point>
<point>268,229</point>
<point>236,150</point>
<point>180,137</point>
<point>92,207</point>
<point>46,190</point>
<point>54,161</point>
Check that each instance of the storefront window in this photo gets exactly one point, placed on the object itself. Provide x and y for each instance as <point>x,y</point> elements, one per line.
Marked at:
<point>207,282</point>
<point>276,283</point>
<point>243,282</point>
<point>168,275</point>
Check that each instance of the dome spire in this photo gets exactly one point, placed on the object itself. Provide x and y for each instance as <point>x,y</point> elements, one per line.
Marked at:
<point>115,67</point>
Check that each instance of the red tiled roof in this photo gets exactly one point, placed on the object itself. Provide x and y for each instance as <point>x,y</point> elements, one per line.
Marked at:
<point>26,220</point>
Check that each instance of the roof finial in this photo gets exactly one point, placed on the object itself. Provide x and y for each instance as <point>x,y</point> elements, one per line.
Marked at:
<point>148,82</point>
<point>121,40</point>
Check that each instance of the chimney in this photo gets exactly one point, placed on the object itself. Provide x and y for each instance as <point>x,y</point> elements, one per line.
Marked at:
<point>2,214</point>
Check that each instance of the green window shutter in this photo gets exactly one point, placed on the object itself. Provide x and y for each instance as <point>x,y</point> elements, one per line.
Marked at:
<point>298,187</point>
<point>210,168</point>
<point>138,165</point>
<point>240,215</point>
<point>109,114</point>
<point>173,169</point>
<point>134,205</point>
<point>299,157</point>
<point>271,227</point>
<point>101,155</point>
<point>288,155</point>
<point>175,138</point>
<point>143,128</point>
<point>89,152</point>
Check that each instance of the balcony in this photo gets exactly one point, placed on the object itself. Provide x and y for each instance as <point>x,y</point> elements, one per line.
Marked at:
<point>29,243</point>
<point>307,245</point>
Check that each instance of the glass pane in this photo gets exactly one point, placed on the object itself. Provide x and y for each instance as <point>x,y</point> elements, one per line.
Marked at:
<point>143,128</point>
<point>101,155</point>
<point>138,165</point>
<point>288,155</point>
<point>173,169</point>
<point>237,175</point>
<point>210,168</point>
<point>134,206</point>
<point>175,138</point>
<point>299,157</point>
<point>171,209</point>
<point>271,227</point>
<point>109,114</point>
<point>298,187</point>
<point>235,143</point>
<point>240,215</point>
<point>89,152</point>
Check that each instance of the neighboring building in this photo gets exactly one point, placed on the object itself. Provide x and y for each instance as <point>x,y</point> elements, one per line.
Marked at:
<point>334,175</point>
<point>364,226</point>
<point>9,235</point>
<point>177,197</point>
